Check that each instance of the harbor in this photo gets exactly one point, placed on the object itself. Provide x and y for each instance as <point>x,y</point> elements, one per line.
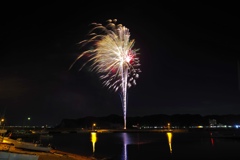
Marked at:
<point>15,149</point>
<point>8,150</point>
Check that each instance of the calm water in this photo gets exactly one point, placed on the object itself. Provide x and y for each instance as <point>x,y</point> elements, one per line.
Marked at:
<point>148,146</point>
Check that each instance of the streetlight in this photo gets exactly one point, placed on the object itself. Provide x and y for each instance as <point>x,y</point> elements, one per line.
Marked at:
<point>169,126</point>
<point>26,122</point>
<point>94,124</point>
<point>2,123</point>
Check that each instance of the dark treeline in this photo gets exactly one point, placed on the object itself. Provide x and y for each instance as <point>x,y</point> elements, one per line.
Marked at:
<point>180,120</point>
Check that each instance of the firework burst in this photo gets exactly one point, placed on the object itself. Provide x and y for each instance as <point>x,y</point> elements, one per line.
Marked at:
<point>111,54</point>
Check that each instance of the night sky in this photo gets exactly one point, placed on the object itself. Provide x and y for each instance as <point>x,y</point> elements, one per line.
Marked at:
<point>189,56</point>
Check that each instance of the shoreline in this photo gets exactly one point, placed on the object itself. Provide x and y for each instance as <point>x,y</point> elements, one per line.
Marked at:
<point>52,155</point>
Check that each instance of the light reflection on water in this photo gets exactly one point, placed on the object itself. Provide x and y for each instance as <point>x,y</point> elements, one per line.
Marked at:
<point>149,145</point>
<point>127,140</point>
<point>169,136</point>
<point>93,140</point>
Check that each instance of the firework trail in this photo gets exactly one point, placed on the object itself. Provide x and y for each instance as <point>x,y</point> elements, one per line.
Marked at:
<point>110,53</point>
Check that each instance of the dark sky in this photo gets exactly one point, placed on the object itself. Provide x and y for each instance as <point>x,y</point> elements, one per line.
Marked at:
<point>188,54</point>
